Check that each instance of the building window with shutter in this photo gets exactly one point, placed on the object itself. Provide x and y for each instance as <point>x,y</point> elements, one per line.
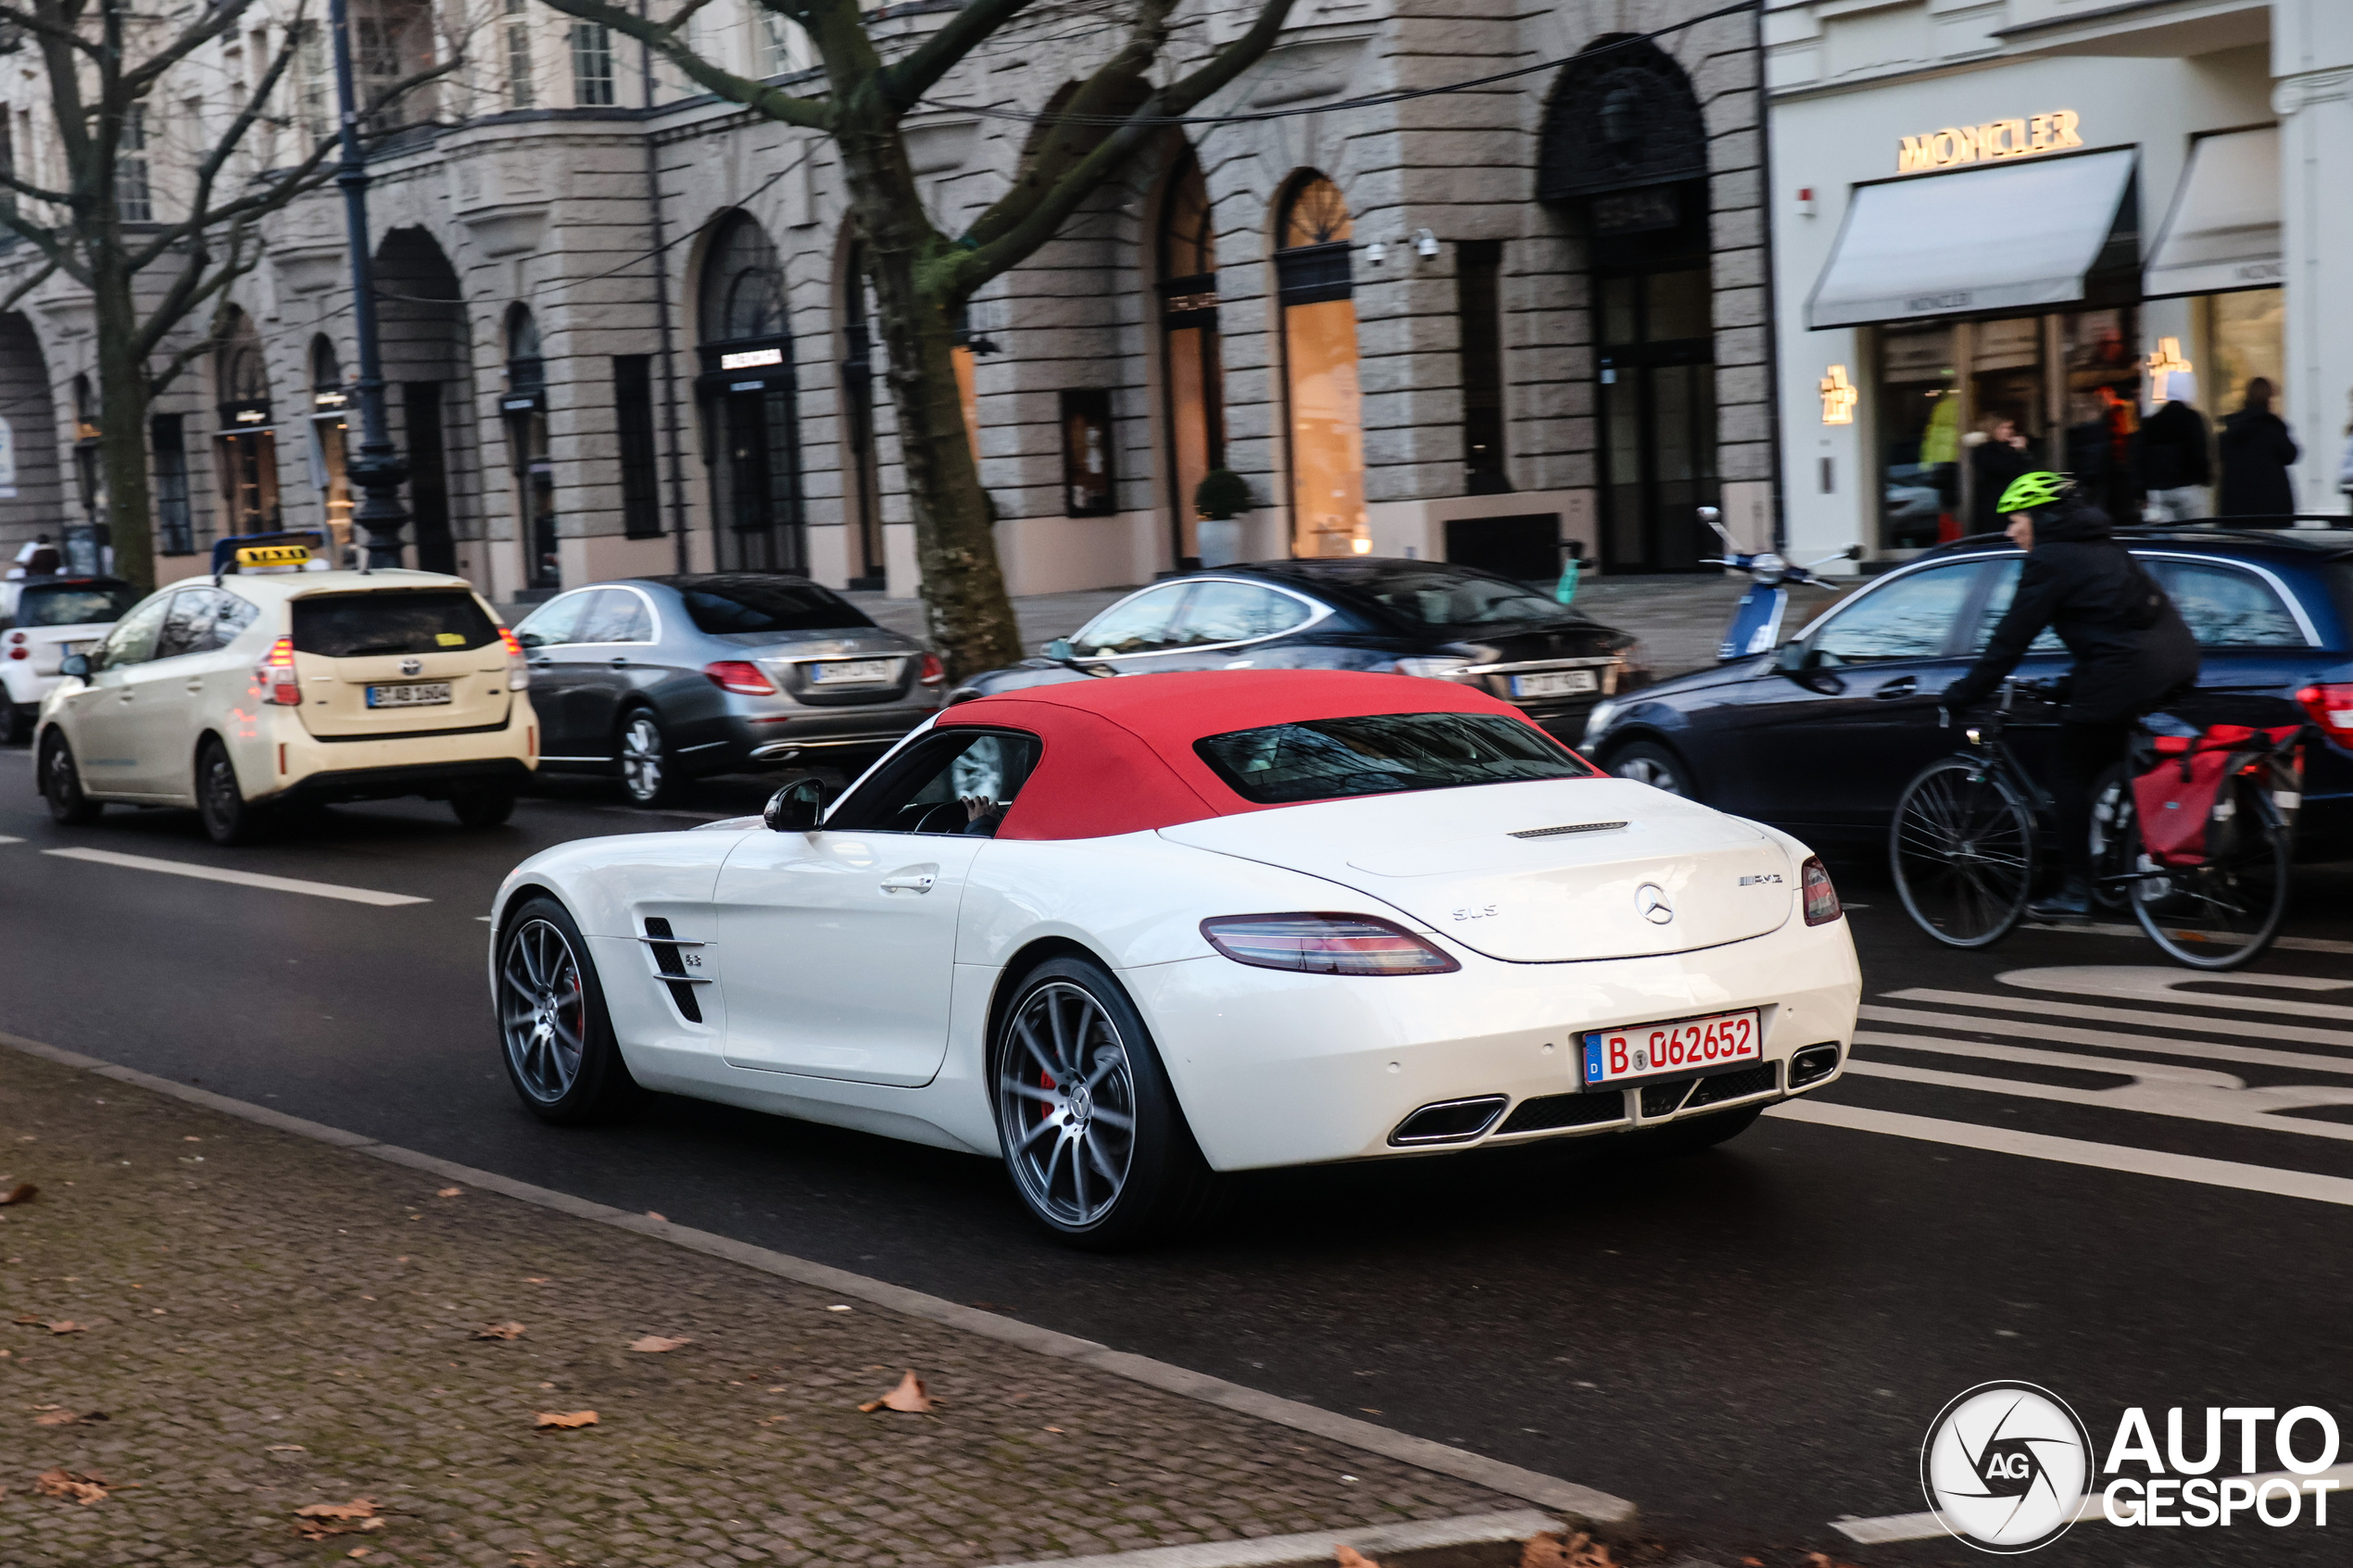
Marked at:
<point>633,392</point>
<point>591,64</point>
<point>134,201</point>
<point>174,525</point>
<point>522,93</point>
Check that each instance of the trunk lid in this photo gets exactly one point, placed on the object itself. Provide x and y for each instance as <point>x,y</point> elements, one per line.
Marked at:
<point>1572,889</point>
<point>386,640</point>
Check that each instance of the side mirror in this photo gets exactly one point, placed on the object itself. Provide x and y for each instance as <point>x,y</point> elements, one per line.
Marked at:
<point>1854,552</point>
<point>75,664</point>
<point>797,808</point>
<point>1059,648</point>
<point>1793,658</point>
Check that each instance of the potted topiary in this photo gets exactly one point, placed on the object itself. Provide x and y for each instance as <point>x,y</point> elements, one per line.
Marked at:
<point>1220,497</point>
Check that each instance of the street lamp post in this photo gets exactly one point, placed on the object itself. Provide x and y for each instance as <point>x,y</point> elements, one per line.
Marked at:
<point>379,470</point>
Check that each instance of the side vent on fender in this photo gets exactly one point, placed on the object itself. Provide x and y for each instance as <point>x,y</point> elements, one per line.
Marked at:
<point>673,964</point>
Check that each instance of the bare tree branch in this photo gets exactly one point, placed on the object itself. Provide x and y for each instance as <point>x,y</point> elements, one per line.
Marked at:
<point>48,269</point>
<point>775,102</point>
<point>910,78</point>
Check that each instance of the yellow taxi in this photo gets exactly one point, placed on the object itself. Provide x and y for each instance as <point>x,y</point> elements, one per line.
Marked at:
<point>275,684</point>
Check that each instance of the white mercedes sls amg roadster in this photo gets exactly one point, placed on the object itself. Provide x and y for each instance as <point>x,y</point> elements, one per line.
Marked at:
<point>1125,934</point>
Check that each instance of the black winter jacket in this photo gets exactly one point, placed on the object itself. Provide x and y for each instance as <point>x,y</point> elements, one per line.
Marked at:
<point>2173,448</point>
<point>2078,580</point>
<point>2257,453</point>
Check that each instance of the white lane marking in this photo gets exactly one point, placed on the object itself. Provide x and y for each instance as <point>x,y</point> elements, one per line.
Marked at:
<point>241,879</point>
<point>2164,985</point>
<point>2291,944</point>
<point>1927,1527</point>
<point>2233,1107</point>
<point>2252,1055</point>
<point>2118,1067</point>
<point>2072,1151</point>
<point>2042,1007</point>
<point>5,839</point>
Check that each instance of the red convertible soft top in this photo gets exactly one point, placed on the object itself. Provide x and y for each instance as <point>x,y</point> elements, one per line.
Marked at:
<point>1119,750</point>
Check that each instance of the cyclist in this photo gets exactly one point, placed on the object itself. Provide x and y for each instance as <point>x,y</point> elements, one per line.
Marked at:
<point>2132,654</point>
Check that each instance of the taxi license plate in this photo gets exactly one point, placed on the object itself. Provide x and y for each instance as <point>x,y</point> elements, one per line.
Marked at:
<point>1555,683</point>
<point>853,672</point>
<point>1685,1048</point>
<point>423,693</point>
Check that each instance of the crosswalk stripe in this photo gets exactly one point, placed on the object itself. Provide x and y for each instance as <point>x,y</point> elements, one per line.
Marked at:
<point>2168,1021</point>
<point>2290,944</point>
<point>2189,1104</point>
<point>2252,1055</point>
<point>2142,983</point>
<point>5,839</point>
<point>2070,1151</point>
<point>241,879</point>
<point>2122,1067</point>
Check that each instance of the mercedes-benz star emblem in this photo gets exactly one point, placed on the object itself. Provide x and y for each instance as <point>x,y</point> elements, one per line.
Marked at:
<point>1653,903</point>
<point>412,667</point>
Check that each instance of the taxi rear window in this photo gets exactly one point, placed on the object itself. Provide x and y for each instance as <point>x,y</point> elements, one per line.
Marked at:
<point>361,625</point>
<point>1383,754</point>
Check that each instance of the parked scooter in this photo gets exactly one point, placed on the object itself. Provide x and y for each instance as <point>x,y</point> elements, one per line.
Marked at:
<point>1756,620</point>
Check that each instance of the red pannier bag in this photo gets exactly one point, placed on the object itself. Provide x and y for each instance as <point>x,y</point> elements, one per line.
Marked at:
<point>2175,799</point>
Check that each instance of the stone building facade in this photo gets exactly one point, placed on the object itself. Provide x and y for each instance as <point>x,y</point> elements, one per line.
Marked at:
<point>624,332</point>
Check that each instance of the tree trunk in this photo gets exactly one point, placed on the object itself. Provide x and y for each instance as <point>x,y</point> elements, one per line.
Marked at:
<point>964,604</point>
<point>129,512</point>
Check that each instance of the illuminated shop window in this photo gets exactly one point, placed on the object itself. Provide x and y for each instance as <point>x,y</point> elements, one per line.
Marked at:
<point>1319,355</point>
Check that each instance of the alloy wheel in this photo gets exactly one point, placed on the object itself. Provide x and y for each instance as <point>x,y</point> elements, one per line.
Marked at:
<point>1649,771</point>
<point>542,1013</point>
<point>641,757</point>
<point>1066,1103</point>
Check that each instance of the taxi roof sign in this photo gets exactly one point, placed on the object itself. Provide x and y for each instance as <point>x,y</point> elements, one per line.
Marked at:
<point>230,554</point>
<point>273,558</point>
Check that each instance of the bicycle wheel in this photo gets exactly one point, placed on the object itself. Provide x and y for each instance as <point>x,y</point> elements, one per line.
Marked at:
<point>2224,913</point>
<point>1962,849</point>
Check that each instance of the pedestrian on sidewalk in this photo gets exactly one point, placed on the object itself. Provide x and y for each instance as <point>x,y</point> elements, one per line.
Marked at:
<point>2172,460</point>
<point>1997,457</point>
<point>2258,449</point>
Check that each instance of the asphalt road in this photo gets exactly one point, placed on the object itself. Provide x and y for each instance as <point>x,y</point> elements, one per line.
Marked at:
<point>1749,1343</point>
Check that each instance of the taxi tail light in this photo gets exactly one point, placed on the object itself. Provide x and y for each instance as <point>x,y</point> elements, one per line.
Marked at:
<point>2330,705</point>
<point>518,665</point>
<point>739,675</point>
<point>1321,943</point>
<point>932,671</point>
<point>275,675</point>
<point>1821,899</point>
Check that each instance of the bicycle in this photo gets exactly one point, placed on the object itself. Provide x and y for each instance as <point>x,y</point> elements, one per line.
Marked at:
<point>1970,830</point>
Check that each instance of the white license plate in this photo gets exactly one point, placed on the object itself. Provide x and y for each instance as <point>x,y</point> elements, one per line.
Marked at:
<point>854,673</point>
<point>423,693</point>
<point>1683,1048</point>
<point>1555,683</point>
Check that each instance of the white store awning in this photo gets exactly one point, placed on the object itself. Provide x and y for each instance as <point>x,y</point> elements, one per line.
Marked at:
<point>2224,230</point>
<point>2023,236</point>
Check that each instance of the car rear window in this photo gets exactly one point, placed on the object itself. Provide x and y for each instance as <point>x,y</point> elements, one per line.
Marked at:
<point>74,604</point>
<point>418,620</point>
<point>1383,754</point>
<point>1454,599</point>
<point>757,606</point>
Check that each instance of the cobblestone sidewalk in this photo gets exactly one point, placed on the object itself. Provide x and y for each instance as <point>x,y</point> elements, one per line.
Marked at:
<point>219,1325</point>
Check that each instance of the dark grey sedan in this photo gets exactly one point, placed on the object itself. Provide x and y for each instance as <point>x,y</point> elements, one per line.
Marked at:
<point>658,680</point>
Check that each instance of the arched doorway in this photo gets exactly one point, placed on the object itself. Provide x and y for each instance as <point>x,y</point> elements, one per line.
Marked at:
<point>31,493</point>
<point>248,445</point>
<point>524,406</point>
<point>1319,364</point>
<point>1624,146</point>
<point>1192,361</point>
<point>752,439</point>
<point>427,353</point>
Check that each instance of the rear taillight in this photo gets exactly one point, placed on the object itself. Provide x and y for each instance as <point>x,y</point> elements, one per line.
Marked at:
<point>1317,943</point>
<point>2331,707</point>
<point>933,671</point>
<point>275,675</point>
<point>518,666</point>
<point>1821,899</point>
<point>19,651</point>
<point>739,675</point>
<point>15,636</point>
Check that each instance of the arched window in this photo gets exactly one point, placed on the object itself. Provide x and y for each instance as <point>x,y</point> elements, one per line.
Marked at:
<point>330,433</point>
<point>248,443</point>
<point>326,369</point>
<point>1319,362</point>
<point>752,436</point>
<point>1192,363</point>
<point>526,408</point>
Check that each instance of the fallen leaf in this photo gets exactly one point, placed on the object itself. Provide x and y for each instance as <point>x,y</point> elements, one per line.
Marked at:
<point>1349,1557</point>
<point>499,1331</point>
<point>67,1418</point>
<point>66,1484</point>
<point>652,1214</point>
<point>554,1419</point>
<point>654,1344</point>
<point>23,1192</point>
<point>1053,1429</point>
<point>450,1192</point>
<point>836,1309</point>
<point>1579,1550</point>
<point>359,1551</point>
<point>358,1508</point>
<point>63,1325</point>
<point>285,1448</point>
<point>910,1396</point>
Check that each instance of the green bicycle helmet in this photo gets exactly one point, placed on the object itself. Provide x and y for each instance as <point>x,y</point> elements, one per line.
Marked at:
<point>2029,491</point>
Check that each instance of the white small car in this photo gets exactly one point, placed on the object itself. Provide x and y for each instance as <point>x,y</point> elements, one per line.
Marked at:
<point>52,619</point>
<point>254,691</point>
<point>1127,933</point>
